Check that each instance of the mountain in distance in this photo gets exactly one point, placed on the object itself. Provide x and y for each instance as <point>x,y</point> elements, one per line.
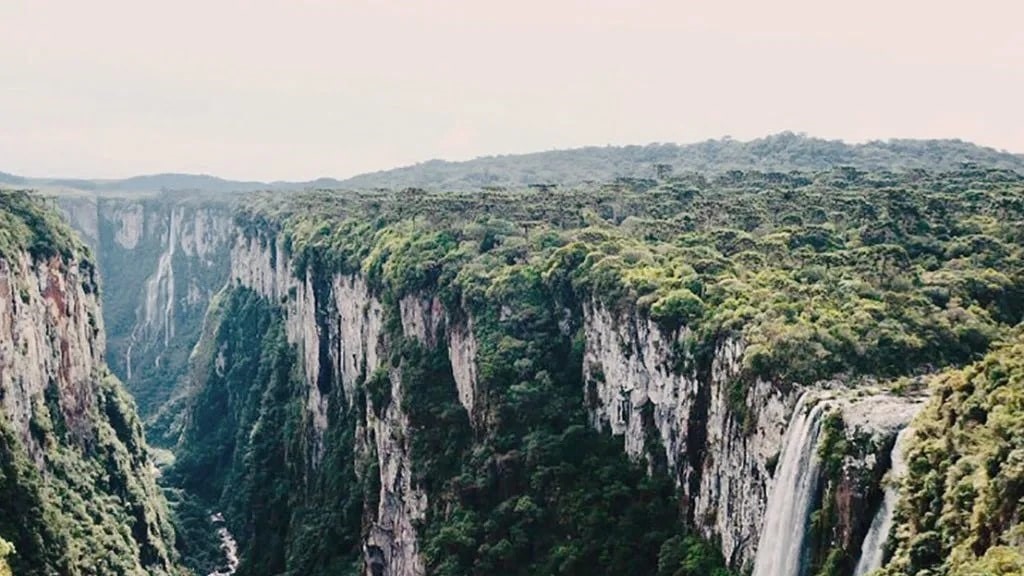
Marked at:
<point>780,152</point>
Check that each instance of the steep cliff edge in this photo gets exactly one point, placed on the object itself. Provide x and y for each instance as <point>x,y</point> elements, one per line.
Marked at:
<point>161,259</point>
<point>679,411</point>
<point>77,493</point>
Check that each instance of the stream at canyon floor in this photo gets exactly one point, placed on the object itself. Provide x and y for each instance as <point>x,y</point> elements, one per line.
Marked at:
<point>228,545</point>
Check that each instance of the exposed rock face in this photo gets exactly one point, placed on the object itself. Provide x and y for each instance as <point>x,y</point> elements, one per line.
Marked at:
<point>130,221</point>
<point>628,364</point>
<point>401,504</point>
<point>462,351</point>
<point>160,264</point>
<point>644,386</point>
<point>337,326</point>
<point>741,447</point>
<point>50,335</point>
<point>630,367</point>
<point>63,413</point>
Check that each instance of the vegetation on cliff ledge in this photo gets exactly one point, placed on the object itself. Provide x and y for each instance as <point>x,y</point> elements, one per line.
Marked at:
<point>28,225</point>
<point>962,501</point>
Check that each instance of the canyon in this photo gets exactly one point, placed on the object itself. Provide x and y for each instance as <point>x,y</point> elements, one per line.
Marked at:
<point>402,384</point>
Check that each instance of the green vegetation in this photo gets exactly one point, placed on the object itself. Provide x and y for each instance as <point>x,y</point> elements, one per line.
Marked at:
<point>28,225</point>
<point>95,510</point>
<point>6,549</point>
<point>689,556</point>
<point>542,492</point>
<point>77,495</point>
<point>963,498</point>
<point>782,152</point>
<point>834,531</point>
<point>839,273</point>
<point>822,274</point>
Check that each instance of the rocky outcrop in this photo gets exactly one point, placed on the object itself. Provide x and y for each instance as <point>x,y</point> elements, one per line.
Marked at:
<point>743,444</point>
<point>462,352</point>
<point>392,546</point>
<point>51,338</point>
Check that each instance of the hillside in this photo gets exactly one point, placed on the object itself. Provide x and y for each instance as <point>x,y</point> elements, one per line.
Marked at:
<point>778,153</point>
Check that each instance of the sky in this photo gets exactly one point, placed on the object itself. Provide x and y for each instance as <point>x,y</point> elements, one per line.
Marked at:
<point>294,90</point>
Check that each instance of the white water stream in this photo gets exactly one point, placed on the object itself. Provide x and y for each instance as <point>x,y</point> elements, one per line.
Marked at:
<point>781,548</point>
<point>227,545</point>
<point>871,552</point>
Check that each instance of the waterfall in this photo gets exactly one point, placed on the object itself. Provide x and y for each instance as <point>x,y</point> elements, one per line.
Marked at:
<point>874,542</point>
<point>780,551</point>
<point>159,294</point>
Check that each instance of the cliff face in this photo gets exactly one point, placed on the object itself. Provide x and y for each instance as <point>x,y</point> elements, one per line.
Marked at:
<point>450,399</point>
<point>77,494</point>
<point>722,448</point>
<point>337,326</point>
<point>160,262</point>
<point>51,335</point>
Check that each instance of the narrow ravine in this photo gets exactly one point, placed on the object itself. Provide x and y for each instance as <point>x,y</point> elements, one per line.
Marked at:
<point>228,546</point>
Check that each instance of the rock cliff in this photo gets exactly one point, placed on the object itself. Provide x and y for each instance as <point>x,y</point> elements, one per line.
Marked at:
<point>160,262</point>
<point>77,489</point>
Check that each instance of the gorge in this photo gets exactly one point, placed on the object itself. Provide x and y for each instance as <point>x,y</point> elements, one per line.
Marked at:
<point>693,374</point>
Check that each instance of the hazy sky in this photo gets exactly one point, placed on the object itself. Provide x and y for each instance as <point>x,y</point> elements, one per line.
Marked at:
<point>284,89</point>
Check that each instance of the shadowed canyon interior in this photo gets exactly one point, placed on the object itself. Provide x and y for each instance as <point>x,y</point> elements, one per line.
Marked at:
<point>816,371</point>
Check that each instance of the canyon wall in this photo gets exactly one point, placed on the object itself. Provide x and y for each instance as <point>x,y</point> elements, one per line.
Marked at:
<point>692,415</point>
<point>161,260</point>
<point>77,488</point>
<point>678,412</point>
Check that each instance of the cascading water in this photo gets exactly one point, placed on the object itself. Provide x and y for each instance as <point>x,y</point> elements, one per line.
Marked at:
<point>871,552</point>
<point>159,293</point>
<point>780,551</point>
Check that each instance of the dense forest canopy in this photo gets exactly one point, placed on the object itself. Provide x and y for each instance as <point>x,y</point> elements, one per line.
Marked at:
<point>781,152</point>
<point>27,224</point>
<point>840,271</point>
